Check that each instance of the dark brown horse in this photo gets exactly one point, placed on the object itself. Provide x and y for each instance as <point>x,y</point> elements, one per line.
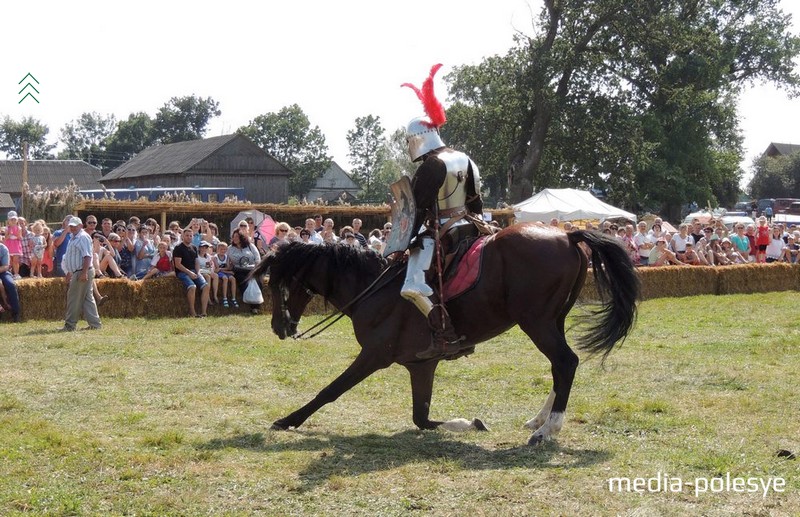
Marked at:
<point>531,277</point>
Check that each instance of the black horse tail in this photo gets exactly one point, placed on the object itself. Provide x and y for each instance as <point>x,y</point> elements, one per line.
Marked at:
<point>619,288</point>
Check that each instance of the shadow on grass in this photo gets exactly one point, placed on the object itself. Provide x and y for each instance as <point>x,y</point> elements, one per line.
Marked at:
<point>366,453</point>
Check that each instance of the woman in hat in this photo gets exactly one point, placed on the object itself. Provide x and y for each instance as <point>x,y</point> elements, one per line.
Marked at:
<point>661,255</point>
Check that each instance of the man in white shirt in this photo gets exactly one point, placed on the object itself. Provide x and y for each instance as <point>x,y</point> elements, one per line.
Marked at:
<point>77,266</point>
<point>314,236</point>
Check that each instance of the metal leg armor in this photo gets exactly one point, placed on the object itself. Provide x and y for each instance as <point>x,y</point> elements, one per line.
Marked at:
<point>415,289</point>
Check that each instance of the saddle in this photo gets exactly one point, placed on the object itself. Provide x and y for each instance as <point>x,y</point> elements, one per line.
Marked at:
<point>462,267</point>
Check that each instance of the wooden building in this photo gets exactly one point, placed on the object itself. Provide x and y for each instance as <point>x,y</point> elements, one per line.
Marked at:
<point>334,185</point>
<point>222,161</point>
<point>777,149</point>
<point>47,175</point>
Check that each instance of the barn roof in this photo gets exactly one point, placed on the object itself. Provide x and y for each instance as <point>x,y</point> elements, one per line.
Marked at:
<point>779,149</point>
<point>334,183</point>
<point>48,174</point>
<point>6,203</point>
<point>216,154</point>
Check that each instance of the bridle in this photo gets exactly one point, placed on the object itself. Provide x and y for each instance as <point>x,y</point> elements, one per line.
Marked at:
<point>336,316</point>
<point>287,316</point>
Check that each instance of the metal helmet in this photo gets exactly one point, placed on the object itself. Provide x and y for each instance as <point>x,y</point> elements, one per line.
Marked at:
<point>422,137</point>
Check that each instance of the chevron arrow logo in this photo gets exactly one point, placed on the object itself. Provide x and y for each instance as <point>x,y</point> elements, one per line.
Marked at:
<point>28,86</point>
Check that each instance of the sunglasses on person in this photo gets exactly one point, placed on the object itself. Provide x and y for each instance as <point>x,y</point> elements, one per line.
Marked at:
<point>91,222</point>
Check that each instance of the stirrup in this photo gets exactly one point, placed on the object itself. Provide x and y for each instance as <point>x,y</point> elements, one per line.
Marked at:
<point>443,349</point>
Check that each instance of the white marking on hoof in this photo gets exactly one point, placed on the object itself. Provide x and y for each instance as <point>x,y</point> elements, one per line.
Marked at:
<point>458,425</point>
<point>537,421</point>
<point>549,430</point>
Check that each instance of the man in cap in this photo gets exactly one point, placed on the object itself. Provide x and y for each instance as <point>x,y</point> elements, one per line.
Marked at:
<point>77,266</point>
<point>61,238</point>
<point>446,187</point>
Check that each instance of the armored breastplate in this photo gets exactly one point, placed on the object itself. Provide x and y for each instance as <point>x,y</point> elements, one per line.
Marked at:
<point>452,193</point>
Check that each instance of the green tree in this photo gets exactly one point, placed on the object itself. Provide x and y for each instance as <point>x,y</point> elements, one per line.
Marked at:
<point>777,176</point>
<point>368,154</point>
<point>184,118</point>
<point>14,134</point>
<point>288,136</point>
<point>638,97</point>
<point>130,137</point>
<point>397,150</point>
<point>85,138</point>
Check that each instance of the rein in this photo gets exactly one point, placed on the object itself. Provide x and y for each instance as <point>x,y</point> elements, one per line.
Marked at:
<point>339,314</point>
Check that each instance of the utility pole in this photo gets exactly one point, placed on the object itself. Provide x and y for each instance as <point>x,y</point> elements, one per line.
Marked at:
<point>24,178</point>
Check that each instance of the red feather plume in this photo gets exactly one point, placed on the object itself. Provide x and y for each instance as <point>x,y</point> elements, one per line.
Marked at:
<point>433,108</point>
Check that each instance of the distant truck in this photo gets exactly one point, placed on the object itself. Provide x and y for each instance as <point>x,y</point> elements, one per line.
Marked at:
<point>790,216</point>
<point>782,204</point>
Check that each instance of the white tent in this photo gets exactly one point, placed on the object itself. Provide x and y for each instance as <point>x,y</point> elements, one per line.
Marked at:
<point>566,204</point>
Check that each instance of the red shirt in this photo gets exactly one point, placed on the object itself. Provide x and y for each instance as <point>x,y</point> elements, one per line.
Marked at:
<point>762,235</point>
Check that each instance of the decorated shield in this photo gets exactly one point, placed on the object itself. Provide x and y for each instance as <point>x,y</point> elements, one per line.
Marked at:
<point>404,208</point>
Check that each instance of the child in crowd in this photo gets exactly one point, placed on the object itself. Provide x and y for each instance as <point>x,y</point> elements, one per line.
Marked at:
<point>47,261</point>
<point>39,243</point>
<point>161,263</point>
<point>762,240</point>
<point>690,256</point>
<point>14,243</point>
<point>205,265</point>
<point>225,274</point>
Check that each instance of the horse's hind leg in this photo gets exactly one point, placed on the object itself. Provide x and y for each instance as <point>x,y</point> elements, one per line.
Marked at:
<point>550,340</point>
<point>537,421</point>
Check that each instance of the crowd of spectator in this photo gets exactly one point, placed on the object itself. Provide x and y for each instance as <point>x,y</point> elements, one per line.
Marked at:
<point>139,250</point>
<point>142,250</point>
<point>709,244</point>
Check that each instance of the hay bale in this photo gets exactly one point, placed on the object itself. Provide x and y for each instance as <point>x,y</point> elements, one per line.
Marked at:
<point>677,281</point>
<point>42,298</point>
<point>45,299</point>
<point>757,278</point>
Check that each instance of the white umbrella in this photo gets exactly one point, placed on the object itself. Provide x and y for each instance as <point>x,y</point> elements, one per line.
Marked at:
<point>257,216</point>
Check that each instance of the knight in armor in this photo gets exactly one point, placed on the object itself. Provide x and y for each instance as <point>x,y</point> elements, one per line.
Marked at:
<point>446,187</point>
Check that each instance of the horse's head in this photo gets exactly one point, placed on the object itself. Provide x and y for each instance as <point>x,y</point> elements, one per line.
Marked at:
<point>290,295</point>
<point>298,271</point>
<point>288,304</point>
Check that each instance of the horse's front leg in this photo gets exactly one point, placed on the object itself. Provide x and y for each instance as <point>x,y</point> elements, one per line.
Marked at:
<point>364,365</point>
<point>422,375</point>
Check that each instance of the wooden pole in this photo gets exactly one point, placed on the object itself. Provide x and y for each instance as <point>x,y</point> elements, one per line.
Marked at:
<point>24,178</point>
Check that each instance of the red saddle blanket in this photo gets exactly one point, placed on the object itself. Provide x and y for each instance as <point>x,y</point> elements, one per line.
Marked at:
<point>468,271</point>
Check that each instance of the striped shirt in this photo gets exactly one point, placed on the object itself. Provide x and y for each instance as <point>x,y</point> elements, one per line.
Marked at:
<point>79,246</point>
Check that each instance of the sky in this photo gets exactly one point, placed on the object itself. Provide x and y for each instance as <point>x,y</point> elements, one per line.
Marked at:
<point>338,60</point>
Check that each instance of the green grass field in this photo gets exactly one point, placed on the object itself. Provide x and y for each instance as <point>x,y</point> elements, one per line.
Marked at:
<point>171,417</point>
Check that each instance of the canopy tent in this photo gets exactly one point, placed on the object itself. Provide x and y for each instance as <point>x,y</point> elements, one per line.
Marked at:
<point>566,204</point>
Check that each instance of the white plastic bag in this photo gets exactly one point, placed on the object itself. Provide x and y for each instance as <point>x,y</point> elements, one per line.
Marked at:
<point>252,293</point>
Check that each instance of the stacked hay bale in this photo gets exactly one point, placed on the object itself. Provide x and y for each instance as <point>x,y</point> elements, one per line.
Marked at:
<point>45,299</point>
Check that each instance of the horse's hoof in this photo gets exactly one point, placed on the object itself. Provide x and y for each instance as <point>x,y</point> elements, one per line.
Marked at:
<point>536,440</point>
<point>278,426</point>
<point>478,424</point>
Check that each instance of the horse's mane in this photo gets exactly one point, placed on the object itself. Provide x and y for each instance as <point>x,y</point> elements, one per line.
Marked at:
<point>290,259</point>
